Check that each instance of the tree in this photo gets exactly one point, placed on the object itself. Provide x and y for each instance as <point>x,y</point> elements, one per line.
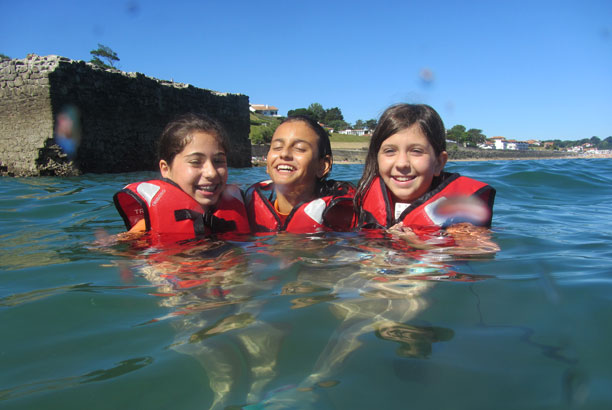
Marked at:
<point>371,124</point>
<point>359,124</point>
<point>299,111</point>
<point>332,115</point>
<point>606,144</point>
<point>317,110</point>
<point>4,57</point>
<point>103,57</point>
<point>457,134</point>
<point>475,136</point>
<point>337,124</point>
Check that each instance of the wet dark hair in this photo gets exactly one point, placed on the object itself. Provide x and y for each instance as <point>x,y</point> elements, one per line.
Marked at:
<point>396,118</point>
<point>179,132</point>
<point>323,144</point>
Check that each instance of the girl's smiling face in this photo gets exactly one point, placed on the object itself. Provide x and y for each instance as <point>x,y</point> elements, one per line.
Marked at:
<point>200,169</point>
<point>407,163</point>
<point>293,161</point>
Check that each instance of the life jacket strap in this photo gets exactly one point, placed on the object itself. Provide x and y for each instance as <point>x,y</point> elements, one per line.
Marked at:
<point>203,221</point>
<point>196,217</point>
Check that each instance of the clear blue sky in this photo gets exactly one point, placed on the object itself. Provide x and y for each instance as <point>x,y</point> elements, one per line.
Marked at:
<point>519,69</point>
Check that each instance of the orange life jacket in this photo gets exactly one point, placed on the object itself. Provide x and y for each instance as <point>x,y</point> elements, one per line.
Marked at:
<point>168,210</point>
<point>331,212</point>
<point>377,207</point>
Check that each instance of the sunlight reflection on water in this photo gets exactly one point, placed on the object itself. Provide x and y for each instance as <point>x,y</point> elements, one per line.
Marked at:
<point>310,319</point>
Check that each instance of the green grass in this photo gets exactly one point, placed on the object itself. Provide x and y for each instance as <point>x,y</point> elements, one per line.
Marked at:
<point>262,127</point>
<point>349,138</point>
<point>262,120</point>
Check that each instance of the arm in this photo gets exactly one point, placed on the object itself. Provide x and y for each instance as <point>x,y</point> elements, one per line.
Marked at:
<point>465,239</point>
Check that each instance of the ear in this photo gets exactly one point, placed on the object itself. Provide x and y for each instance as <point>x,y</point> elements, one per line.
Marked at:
<point>325,165</point>
<point>441,162</point>
<point>267,168</point>
<point>164,168</point>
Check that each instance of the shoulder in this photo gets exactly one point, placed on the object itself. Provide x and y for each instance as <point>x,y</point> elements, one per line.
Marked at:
<point>336,188</point>
<point>233,191</point>
<point>266,185</point>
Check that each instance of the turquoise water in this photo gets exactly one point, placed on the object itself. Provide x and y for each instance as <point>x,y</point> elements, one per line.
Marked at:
<point>335,321</point>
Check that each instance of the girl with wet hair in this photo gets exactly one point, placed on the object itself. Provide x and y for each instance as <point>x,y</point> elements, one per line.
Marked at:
<point>298,197</point>
<point>404,182</point>
<point>192,198</point>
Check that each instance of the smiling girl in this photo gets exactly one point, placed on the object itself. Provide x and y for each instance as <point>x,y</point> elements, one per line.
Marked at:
<point>404,182</point>
<point>298,197</point>
<point>192,198</point>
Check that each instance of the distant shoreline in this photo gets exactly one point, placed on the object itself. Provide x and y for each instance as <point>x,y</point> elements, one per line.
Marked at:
<point>493,158</point>
<point>355,153</point>
<point>532,158</point>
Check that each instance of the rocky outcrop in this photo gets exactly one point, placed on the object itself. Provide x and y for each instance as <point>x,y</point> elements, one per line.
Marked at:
<point>65,117</point>
<point>454,154</point>
<point>495,154</point>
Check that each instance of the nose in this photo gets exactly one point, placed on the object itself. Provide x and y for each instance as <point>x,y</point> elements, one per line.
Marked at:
<point>403,162</point>
<point>285,152</point>
<point>208,170</point>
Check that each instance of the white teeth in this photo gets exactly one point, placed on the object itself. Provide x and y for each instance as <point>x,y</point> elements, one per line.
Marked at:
<point>403,179</point>
<point>207,188</point>
<point>285,168</point>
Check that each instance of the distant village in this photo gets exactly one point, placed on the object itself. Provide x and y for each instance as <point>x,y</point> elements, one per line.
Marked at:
<point>493,143</point>
<point>510,144</point>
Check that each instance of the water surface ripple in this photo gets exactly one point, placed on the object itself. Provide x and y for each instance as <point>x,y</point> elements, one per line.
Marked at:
<point>313,321</point>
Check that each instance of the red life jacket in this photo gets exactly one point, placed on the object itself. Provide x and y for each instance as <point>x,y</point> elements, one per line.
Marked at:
<point>168,210</point>
<point>331,212</point>
<point>427,211</point>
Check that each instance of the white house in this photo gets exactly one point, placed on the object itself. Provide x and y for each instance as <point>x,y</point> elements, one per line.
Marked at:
<point>359,132</point>
<point>264,109</point>
<point>499,142</point>
<point>517,145</point>
<point>503,143</point>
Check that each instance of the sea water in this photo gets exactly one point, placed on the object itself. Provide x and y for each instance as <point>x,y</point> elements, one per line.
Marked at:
<point>332,321</point>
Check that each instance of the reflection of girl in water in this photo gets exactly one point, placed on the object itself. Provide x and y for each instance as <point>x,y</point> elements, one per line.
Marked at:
<point>214,292</point>
<point>209,289</point>
<point>380,288</point>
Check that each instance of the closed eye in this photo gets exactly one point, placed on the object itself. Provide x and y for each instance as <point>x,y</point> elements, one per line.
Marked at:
<point>220,159</point>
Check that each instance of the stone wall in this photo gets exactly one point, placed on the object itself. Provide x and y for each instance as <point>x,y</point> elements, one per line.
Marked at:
<point>121,116</point>
<point>495,154</point>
